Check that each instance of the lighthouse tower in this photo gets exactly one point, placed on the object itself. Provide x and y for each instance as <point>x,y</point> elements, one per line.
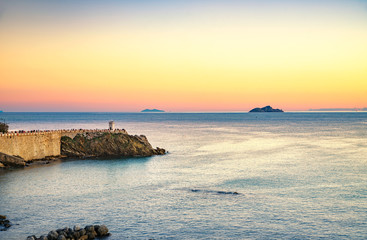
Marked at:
<point>111,125</point>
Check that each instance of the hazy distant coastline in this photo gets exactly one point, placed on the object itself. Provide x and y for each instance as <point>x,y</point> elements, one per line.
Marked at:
<point>337,109</point>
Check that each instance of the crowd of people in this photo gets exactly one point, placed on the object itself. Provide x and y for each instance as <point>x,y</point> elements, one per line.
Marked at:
<point>64,130</point>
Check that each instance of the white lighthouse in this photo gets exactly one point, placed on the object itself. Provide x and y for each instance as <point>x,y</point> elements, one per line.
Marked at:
<point>111,125</point>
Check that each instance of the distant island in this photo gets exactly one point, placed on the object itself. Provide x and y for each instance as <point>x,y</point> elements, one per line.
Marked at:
<point>152,111</point>
<point>266,109</point>
<point>1,111</point>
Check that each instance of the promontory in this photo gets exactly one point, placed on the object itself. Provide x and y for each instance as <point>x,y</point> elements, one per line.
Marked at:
<point>107,144</point>
<point>19,149</point>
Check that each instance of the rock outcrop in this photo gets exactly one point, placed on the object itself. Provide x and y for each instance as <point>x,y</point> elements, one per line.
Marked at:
<point>11,161</point>
<point>107,144</point>
<point>4,223</point>
<point>77,233</point>
<point>266,109</point>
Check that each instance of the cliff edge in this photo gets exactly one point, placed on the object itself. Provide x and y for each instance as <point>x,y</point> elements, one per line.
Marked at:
<point>107,144</point>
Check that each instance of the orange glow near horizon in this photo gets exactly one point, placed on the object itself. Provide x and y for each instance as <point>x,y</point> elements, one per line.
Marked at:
<point>217,57</point>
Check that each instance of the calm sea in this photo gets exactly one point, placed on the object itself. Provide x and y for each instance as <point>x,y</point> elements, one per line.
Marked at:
<point>298,175</point>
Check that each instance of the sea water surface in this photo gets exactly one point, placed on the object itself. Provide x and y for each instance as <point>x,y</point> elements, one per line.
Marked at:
<point>297,175</point>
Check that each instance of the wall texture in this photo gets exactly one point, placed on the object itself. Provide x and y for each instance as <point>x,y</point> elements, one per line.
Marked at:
<point>32,146</point>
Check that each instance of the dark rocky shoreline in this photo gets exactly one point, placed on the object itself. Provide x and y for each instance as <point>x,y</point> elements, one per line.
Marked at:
<point>96,145</point>
<point>75,233</point>
<point>4,223</point>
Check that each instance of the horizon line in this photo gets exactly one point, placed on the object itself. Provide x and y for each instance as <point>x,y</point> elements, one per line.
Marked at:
<point>244,111</point>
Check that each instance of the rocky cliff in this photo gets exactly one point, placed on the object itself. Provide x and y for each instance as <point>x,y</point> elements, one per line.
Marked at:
<point>99,145</point>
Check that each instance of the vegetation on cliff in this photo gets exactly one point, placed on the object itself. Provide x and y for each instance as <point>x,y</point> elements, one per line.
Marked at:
<point>4,127</point>
<point>108,144</point>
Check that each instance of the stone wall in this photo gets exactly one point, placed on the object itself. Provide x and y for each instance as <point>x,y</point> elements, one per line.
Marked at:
<point>38,145</point>
<point>33,146</point>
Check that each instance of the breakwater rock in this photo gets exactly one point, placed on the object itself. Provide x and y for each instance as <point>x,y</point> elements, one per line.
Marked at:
<point>107,144</point>
<point>75,233</point>
<point>4,223</point>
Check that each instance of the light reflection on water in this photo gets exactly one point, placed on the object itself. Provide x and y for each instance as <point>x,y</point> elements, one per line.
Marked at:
<point>299,176</point>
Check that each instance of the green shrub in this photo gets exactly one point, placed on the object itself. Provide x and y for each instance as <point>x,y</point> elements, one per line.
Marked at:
<point>4,127</point>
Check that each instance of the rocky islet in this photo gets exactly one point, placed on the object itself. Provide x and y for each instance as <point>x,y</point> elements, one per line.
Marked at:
<point>266,109</point>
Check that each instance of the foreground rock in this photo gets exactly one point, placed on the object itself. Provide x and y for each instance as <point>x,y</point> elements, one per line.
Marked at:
<point>7,161</point>
<point>266,109</point>
<point>76,233</point>
<point>4,223</point>
<point>107,144</point>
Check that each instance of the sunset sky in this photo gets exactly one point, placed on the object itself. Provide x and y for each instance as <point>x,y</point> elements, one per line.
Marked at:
<point>189,55</point>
